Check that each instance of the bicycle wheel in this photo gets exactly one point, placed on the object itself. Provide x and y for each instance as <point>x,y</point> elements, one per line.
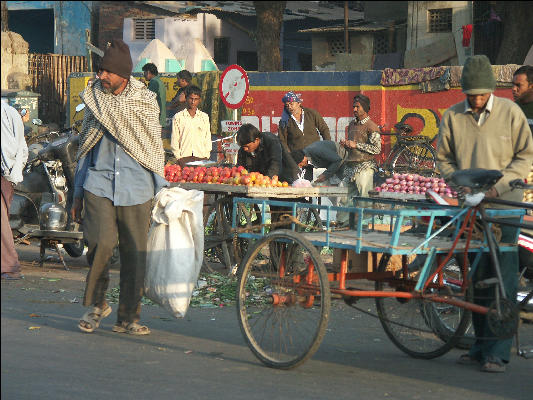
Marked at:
<point>414,325</point>
<point>283,302</point>
<point>447,317</point>
<point>417,158</point>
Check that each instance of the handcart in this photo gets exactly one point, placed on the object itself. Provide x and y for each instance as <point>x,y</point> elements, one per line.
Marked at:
<point>220,242</point>
<point>284,289</point>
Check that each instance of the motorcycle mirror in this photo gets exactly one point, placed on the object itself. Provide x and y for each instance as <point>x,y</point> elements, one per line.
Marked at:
<point>36,121</point>
<point>80,107</point>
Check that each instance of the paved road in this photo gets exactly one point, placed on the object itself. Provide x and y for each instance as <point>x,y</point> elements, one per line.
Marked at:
<point>204,355</point>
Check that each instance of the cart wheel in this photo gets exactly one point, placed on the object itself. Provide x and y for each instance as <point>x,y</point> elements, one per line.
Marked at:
<point>220,246</point>
<point>417,158</point>
<point>284,300</point>
<point>213,251</point>
<point>309,217</point>
<point>248,216</point>
<point>416,326</point>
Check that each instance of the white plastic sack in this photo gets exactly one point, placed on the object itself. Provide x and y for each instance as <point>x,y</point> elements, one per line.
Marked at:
<point>175,248</point>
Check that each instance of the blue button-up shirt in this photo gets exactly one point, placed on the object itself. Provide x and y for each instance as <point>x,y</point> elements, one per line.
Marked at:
<point>108,171</point>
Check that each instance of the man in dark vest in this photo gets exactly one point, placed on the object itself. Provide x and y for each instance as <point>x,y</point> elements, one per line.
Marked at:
<point>363,143</point>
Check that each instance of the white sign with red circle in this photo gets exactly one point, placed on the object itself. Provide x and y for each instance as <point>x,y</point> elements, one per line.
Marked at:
<point>234,86</point>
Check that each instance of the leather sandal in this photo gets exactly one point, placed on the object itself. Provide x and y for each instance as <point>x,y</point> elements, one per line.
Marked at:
<point>91,319</point>
<point>467,359</point>
<point>133,328</point>
<point>493,364</point>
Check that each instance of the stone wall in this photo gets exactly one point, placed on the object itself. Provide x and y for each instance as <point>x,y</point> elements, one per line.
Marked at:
<point>14,62</point>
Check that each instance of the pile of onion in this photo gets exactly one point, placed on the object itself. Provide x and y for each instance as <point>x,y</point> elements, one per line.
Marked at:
<point>416,184</point>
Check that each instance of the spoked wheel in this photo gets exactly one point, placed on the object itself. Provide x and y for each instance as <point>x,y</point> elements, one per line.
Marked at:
<point>447,317</point>
<point>283,300</point>
<point>220,246</point>
<point>416,158</point>
<point>309,217</point>
<point>248,217</point>
<point>415,325</point>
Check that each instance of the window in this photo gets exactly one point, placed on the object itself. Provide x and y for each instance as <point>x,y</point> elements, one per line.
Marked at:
<point>336,44</point>
<point>382,43</point>
<point>247,60</point>
<point>440,20</point>
<point>144,29</point>
<point>221,50</point>
<point>306,61</point>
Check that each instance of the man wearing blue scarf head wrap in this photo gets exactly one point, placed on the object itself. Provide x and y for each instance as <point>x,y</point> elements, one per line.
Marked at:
<point>300,126</point>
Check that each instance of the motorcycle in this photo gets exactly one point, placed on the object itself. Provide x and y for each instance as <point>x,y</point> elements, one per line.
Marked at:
<point>41,200</point>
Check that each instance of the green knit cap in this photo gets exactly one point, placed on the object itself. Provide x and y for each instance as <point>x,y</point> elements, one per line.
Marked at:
<point>477,77</point>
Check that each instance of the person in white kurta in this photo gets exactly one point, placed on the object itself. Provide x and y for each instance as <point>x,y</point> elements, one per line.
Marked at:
<point>191,130</point>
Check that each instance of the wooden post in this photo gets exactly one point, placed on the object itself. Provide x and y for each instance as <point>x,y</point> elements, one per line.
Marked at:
<point>89,59</point>
<point>346,37</point>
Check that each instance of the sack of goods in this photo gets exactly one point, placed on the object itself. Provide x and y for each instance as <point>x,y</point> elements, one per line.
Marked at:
<point>175,249</point>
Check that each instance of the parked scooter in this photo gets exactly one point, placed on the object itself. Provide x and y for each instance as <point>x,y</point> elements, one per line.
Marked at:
<point>42,199</point>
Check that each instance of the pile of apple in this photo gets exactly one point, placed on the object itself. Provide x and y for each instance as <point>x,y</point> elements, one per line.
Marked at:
<point>415,184</point>
<point>221,175</point>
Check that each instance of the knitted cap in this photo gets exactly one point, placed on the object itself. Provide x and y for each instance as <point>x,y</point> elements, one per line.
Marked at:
<point>477,77</point>
<point>117,59</point>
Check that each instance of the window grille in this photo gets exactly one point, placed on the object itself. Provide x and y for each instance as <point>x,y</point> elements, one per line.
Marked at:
<point>221,50</point>
<point>144,29</point>
<point>440,20</point>
<point>381,43</point>
<point>336,44</point>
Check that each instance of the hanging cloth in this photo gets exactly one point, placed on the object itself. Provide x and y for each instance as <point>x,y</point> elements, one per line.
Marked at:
<point>467,34</point>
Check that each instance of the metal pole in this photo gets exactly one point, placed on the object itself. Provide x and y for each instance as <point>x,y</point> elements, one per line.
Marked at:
<point>346,27</point>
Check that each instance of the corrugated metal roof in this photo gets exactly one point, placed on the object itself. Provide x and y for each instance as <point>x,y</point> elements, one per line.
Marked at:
<point>321,10</point>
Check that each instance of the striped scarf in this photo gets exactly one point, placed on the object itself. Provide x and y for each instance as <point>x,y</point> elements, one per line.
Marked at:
<point>131,117</point>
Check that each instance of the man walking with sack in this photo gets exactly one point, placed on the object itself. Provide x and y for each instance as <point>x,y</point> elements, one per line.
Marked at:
<point>120,168</point>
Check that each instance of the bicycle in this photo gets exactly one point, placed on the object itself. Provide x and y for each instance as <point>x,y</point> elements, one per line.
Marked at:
<point>410,154</point>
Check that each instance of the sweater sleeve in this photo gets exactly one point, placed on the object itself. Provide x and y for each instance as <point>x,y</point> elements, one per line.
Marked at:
<point>520,165</point>
<point>446,158</point>
<point>273,157</point>
<point>372,145</point>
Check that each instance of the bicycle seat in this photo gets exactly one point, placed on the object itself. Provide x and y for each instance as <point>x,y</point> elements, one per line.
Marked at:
<point>476,178</point>
<point>403,128</point>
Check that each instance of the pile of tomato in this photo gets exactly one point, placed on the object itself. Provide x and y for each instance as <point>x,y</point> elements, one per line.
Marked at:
<point>221,175</point>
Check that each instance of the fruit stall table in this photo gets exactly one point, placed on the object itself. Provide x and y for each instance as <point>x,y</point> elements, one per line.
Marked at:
<point>217,220</point>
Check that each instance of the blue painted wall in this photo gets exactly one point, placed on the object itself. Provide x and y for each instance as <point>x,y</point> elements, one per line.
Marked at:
<point>71,18</point>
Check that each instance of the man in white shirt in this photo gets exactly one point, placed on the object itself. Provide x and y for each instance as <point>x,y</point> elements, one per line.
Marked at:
<point>191,130</point>
<point>14,157</point>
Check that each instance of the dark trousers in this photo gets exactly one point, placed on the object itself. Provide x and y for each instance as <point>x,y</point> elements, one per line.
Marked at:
<point>486,345</point>
<point>10,258</point>
<point>104,225</point>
